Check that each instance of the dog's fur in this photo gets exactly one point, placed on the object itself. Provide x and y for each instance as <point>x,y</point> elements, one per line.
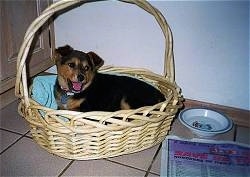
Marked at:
<point>80,87</point>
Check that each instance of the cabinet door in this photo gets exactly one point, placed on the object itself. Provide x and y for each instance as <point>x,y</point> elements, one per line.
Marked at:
<point>16,16</point>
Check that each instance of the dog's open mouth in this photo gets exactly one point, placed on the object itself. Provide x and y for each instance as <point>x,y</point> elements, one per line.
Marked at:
<point>76,87</point>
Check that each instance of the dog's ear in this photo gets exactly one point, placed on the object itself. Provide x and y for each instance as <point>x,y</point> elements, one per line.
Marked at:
<point>62,51</point>
<point>95,59</point>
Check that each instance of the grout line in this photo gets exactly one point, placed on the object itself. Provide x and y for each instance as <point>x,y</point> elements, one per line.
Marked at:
<point>28,136</point>
<point>10,131</point>
<point>151,164</point>
<point>66,168</point>
<point>124,165</point>
<point>13,143</point>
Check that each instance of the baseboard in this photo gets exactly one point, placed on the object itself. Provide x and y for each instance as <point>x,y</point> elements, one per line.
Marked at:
<point>239,116</point>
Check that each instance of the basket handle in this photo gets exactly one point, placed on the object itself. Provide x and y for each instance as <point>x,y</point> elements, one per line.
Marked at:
<point>21,88</point>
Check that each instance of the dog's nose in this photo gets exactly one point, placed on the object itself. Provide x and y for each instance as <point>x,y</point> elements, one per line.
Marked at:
<point>80,77</point>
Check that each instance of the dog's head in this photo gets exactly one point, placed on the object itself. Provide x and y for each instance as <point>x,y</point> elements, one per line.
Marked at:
<point>76,69</point>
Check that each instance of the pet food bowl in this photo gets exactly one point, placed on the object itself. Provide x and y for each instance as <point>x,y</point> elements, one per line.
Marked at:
<point>205,122</point>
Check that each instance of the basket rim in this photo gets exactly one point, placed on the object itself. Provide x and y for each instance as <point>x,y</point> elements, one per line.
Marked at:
<point>172,102</point>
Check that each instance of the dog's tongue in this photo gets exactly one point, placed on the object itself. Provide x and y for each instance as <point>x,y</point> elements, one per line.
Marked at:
<point>77,86</point>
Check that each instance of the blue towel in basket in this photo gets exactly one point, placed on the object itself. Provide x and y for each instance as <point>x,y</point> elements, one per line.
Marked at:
<point>42,90</point>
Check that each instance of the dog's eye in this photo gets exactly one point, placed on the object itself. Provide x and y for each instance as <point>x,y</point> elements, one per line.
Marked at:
<point>72,65</point>
<point>86,68</point>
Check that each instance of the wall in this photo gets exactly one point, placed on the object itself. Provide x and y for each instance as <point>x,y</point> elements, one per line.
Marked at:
<point>211,43</point>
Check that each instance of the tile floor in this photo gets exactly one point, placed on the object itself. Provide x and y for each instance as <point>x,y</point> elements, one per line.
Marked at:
<point>20,156</point>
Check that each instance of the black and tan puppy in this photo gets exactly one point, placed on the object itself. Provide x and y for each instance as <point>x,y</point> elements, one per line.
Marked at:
<point>80,87</point>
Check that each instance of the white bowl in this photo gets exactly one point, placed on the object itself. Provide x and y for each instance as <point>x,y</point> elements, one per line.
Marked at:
<point>205,122</point>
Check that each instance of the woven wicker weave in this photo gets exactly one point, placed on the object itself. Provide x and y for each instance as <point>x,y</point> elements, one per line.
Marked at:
<point>94,135</point>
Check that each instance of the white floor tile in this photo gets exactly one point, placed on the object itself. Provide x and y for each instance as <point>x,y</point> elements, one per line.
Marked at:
<point>6,139</point>
<point>26,158</point>
<point>156,167</point>
<point>101,168</point>
<point>11,120</point>
<point>140,160</point>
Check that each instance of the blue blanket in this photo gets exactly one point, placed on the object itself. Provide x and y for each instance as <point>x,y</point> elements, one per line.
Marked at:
<point>42,90</point>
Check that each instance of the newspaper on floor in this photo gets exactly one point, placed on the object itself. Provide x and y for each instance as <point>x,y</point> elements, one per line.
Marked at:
<point>204,158</point>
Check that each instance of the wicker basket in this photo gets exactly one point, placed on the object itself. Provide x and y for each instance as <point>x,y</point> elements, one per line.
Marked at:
<point>94,135</point>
